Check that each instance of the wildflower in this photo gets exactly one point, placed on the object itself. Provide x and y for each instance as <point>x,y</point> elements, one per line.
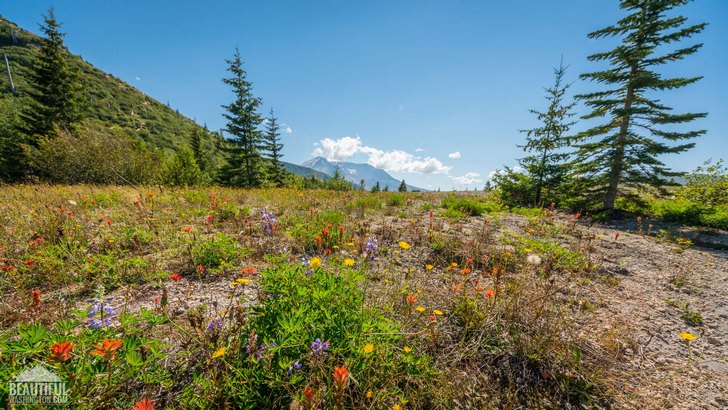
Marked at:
<point>465,271</point>
<point>7,268</point>
<point>489,293</point>
<point>370,394</point>
<point>396,407</point>
<point>104,310</point>
<point>407,349</point>
<point>107,348</point>
<point>432,318</point>
<point>156,299</point>
<point>144,404</point>
<point>429,267</point>
<point>219,352</point>
<point>527,250</point>
<point>437,312</point>
<point>368,348</point>
<point>36,298</point>
<point>247,271</point>
<point>411,299</point>
<point>315,263</point>
<point>209,219</point>
<point>61,351</point>
<point>176,276</point>
<point>341,377</point>
<point>309,395</point>
<point>187,228</point>
<point>456,288</point>
<point>200,268</point>
<point>533,259</point>
<point>616,235</point>
<point>348,262</point>
<point>269,221</point>
<point>420,309</point>
<point>404,245</point>
<point>239,281</point>
<point>29,263</point>
<point>294,366</point>
<point>325,232</point>
<point>688,337</point>
<point>214,324</point>
<point>371,248</point>
<point>318,241</point>
<point>317,346</point>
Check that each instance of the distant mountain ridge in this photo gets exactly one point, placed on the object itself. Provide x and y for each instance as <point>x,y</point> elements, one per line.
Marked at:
<point>354,173</point>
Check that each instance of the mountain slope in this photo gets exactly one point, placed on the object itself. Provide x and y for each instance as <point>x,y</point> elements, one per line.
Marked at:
<point>354,173</point>
<point>305,172</point>
<point>107,98</point>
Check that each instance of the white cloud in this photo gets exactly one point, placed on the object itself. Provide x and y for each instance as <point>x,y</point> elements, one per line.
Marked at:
<point>137,78</point>
<point>394,160</point>
<point>468,179</point>
<point>419,150</point>
<point>454,155</point>
<point>288,130</point>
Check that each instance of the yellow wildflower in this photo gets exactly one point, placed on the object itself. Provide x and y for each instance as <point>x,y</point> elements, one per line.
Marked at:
<point>420,309</point>
<point>688,337</point>
<point>315,262</point>
<point>350,244</point>
<point>407,349</point>
<point>429,266</point>
<point>349,262</point>
<point>396,407</point>
<point>219,352</point>
<point>368,348</point>
<point>239,281</point>
<point>404,245</point>
<point>437,312</point>
<point>369,394</point>
<point>527,250</point>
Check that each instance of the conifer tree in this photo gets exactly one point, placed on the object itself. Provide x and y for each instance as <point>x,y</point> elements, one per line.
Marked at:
<point>56,90</point>
<point>546,165</point>
<point>199,151</point>
<point>621,154</point>
<point>244,165</point>
<point>271,149</point>
<point>376,188</point>
<point>402,187</point>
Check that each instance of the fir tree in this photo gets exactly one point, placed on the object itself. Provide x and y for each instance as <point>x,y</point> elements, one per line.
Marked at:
<point>272,151</point>
<point>621,155</point>
<point>376,188</point>
<point>546,165</point>
<point>244,165</point>
<point>56,89</point>
<point>402,187</point>
<point>199,152</point>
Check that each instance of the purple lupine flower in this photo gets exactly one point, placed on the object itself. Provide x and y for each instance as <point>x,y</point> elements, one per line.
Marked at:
<point>103,310</point>
<point>371,248</point>
<point>214,324</point>
<point>263,348</point>
<point>294,366</point>
<point>269,221</point>
<point>317,346</point>
<point>94,324</point>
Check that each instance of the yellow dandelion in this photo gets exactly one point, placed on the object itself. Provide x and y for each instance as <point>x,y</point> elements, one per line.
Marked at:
<point>429,266</point>
<point>368,348</point>
<point>349,262</point>
<point>219,352</point>
<point>688,337</point>
<point>437,312</point>
<point>407,349</point>
<point>404,245</point>
<point>315,262</point>
<point>396,407</point>
<point>239,281</point>
<point>420,309</point>
<point>369,394</point>
<point>386,281</point>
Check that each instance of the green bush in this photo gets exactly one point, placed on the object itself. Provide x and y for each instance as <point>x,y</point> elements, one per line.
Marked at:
<point>220,251</point>
<point>277,361</point>
<point>470,205</point>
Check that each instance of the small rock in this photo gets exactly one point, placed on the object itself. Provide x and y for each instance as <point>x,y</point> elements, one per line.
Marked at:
<point>714,341</point>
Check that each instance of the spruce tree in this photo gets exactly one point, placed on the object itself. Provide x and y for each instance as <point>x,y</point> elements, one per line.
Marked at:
<point>56,89</point>
<point>620,155</point>
<point>402,187</point>
<point>271,149</point>
<point>244,165</point>
<point>376,188</point>
<point>546,166</point>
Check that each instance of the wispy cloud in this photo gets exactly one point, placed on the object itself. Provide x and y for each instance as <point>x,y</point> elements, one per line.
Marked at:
<point>393,160</point>
<point>469,178</point>
<point>454,155</point>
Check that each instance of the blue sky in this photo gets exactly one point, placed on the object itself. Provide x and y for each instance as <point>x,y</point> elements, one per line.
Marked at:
<point>433,91</point>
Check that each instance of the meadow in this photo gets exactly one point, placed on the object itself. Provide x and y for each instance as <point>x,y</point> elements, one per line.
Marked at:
<point>157,297</point>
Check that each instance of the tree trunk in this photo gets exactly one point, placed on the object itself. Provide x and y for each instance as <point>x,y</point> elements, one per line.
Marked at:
<point>615,174</point>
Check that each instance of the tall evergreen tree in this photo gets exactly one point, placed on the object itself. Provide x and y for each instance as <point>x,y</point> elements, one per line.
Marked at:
<point>621,155</point>
<point>199,151</point>
<point>546,165</point>
<point>56,89</point>
<point>272,150</point>
<point>244,165</point>
<point>402,187</point>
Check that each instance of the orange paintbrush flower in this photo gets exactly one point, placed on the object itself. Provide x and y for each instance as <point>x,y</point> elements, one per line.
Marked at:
<point>61,352</point>
<point>411,299</point>
<point>144,404</point>
<point>341,377</point>
<point>107,348</point>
